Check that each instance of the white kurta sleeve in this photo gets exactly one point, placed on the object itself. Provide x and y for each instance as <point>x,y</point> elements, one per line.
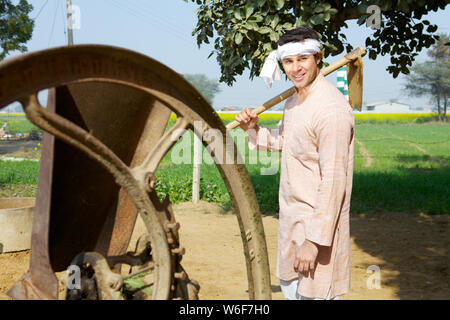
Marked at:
<point>266,139</point>
<point>334,132</point>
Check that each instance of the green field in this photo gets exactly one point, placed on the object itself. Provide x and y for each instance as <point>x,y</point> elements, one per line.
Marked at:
<point>17,123</point>
<point>409,171</point>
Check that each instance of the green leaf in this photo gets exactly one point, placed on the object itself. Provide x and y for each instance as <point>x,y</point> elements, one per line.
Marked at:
<point>333,11</point>
<point>267,47</point>
<point>361,19</point>
<point>134,283</point>
<point>299,22</point>
<point>318,9</point>
<point>331,47</point>
<point>280,3</point>
<point>273,37</point>
<point>362,8</point>
<point>237,14</point>
<point>238,38</point>
<point>248,11</point>
<point>327,6</point>
<point>264,30</point>
<point>275,21</point>
<point>432,28</point>
<point>315,20</point>
<point>256,53</point>
<point>256,18</point>
<point>250,25</point>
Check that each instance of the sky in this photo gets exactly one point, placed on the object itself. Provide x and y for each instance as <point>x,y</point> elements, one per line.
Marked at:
<point>163,31</point>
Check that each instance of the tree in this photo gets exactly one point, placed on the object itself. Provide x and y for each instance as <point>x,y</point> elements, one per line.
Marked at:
<point>16,27</point>
<point>441,49</point>
<point>207,87</point>
<point>245,31</point>
<point>431,78</point>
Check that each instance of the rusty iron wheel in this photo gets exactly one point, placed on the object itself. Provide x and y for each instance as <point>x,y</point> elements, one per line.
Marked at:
<point>75,77</point>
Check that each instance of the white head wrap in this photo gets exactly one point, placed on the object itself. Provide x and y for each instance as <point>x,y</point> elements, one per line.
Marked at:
<point>271,72</point>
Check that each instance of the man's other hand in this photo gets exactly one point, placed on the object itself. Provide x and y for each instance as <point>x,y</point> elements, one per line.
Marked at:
<point>247,120</point>
<point>305,258</point>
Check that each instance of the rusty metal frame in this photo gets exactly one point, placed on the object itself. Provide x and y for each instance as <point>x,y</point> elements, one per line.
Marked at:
<point>21,77</point>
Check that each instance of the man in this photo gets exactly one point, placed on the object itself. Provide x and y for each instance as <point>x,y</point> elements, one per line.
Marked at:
<point>316,141</point>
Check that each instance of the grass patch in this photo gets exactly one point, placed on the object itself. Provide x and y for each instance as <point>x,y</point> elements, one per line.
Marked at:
<point>18,172</point>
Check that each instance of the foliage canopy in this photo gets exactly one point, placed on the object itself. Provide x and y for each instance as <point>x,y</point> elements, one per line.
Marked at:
<point>16,27</point>
<point>245,31</point>
<point>431,78</point>
<point>207,87</point>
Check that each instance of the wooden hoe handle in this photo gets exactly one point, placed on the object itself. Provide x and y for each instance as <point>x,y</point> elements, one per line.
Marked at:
<point>349,57</point>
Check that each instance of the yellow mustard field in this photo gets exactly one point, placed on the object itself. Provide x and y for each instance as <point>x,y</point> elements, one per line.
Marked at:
<point>14,114</point>
<point>275,117</point>
<point>359,117</point>
<point>396,117</point>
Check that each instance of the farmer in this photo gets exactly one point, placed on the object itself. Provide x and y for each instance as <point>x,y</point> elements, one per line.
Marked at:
<point>316,140</point>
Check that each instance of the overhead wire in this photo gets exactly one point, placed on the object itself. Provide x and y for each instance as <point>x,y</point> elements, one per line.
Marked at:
<point>42,8</point>
<point>145,7</point>
<point>53,25</point>
<point>144,18</point>
<point>64,24</point>
<point>161,22</point>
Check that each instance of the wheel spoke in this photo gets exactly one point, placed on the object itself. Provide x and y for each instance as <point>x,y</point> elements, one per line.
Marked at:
<point>74,135</point>
<point>119,125</point>
<point>145,172</point>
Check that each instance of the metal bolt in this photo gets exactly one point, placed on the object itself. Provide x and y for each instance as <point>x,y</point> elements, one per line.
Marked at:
<point>180,251</point>
<point>252,254</point>
<point>172,226</point>
<point>180,275</point>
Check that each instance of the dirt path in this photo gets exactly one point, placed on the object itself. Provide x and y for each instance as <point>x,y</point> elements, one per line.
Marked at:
<point>411,251</point>
<point>7,147</point>
<point>365,153</point>
<point>432,158</point>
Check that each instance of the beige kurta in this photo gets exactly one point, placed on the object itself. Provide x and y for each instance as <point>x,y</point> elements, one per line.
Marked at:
<point>316,144</point>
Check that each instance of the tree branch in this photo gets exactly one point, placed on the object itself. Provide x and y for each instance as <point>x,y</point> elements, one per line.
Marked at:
<point>347,14</point>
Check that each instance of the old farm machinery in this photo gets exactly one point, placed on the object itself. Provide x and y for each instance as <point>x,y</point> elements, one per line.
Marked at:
<point>105,136</point>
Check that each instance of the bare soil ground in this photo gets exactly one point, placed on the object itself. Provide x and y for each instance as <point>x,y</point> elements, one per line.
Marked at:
<point>412,252</point>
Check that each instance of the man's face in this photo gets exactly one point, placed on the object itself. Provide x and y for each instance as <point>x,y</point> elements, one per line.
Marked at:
<point>301,69</point>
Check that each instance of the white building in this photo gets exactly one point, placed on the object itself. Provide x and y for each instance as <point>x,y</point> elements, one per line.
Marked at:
<point>389,107</point>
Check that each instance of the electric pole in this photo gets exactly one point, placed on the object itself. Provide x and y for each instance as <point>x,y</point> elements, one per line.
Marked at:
<point>69,22</point>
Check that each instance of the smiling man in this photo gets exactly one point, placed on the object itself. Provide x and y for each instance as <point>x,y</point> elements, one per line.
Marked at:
<point>316,140</point>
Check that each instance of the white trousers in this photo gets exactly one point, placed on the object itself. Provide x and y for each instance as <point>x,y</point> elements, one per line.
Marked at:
<point>290,291</point>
